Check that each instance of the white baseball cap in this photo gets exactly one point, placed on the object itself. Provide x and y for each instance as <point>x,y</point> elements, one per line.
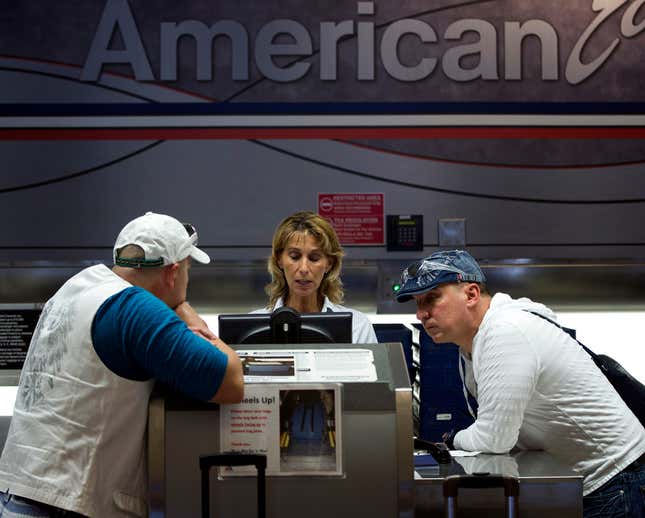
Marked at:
<point>163,239</point>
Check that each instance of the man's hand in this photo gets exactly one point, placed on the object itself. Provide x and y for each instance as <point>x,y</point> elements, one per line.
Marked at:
<point>194,322</point>
<point>217,342</point>
<point>448,439</point>
<point>204,332</point>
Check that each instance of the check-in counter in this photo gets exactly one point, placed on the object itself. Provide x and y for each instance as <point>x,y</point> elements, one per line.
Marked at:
<point>369,473</point>
<point>547,487</point>
<point>376,478</point>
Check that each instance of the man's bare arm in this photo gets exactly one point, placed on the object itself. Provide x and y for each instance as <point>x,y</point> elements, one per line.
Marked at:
<point>232,388</point>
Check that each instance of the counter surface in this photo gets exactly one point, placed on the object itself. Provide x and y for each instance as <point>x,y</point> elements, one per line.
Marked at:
<point>547,487</point>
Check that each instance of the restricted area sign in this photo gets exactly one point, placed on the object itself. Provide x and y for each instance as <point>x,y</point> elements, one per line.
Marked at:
<point>356,217</point>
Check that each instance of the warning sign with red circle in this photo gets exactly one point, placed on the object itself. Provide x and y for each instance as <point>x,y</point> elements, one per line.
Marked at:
<point>356,217</point>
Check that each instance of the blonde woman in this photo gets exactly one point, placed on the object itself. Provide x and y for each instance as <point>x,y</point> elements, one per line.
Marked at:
<point>305,264</point>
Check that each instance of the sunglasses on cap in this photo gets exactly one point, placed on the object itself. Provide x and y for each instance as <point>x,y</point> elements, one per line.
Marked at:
<point>432,270</point>
<point>192,232</point>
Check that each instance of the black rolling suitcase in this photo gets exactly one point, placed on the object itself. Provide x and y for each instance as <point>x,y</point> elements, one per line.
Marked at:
<point>206,462</point>
<point>452,484</point>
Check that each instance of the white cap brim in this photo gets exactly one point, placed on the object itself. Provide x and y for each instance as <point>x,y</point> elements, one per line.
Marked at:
<point>199,255</point>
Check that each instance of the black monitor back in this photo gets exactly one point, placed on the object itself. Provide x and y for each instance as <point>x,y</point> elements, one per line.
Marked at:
<point>286,325</point>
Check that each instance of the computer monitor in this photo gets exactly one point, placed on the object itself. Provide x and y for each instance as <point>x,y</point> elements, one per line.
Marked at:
<point>284,326</point>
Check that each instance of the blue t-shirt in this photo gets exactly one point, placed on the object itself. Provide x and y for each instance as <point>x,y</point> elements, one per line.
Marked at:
<point>138,337</point>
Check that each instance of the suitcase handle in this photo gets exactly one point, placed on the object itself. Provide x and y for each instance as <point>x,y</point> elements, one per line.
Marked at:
<point>206,462</point>
<point>452,484</point>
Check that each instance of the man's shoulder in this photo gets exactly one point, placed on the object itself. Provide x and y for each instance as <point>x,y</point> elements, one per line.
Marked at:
<point>92,283</point>
<point>134,299</point>
<point>504,320</point>
<point>504,308</point>
<point>91,276</point>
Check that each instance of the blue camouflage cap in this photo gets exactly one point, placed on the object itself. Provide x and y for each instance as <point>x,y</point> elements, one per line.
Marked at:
<point>446,266</point>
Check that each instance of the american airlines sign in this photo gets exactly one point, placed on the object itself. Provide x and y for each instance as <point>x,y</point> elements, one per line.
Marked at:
<point>470,48</point>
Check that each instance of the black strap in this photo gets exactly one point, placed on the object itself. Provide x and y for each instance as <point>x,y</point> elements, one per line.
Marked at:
<point>596,359</point>
<point>631,390</point>
<point>471,400</point>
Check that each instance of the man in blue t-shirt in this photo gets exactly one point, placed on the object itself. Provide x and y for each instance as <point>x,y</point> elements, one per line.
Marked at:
<point>77,437</point>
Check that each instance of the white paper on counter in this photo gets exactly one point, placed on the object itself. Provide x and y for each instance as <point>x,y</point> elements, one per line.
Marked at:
<point>462,453</point>
<point>318,365</point>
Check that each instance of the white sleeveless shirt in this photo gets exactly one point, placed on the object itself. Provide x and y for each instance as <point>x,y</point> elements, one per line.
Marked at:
<point>77,435</point>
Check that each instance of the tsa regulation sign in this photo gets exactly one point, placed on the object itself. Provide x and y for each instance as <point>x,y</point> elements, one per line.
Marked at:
<point>356,217</point>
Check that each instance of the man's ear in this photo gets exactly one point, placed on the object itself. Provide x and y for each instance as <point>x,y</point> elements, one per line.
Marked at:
<point>472,292</point>
<point>170,273</point>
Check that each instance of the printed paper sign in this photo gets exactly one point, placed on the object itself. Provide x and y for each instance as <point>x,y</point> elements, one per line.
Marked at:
<point>297,427</point>
<point>17,325</point>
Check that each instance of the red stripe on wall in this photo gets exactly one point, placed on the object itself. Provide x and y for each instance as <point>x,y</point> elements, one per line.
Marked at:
<point>324,133</point>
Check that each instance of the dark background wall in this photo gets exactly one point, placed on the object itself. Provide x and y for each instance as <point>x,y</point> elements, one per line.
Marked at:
<point>550,181</point>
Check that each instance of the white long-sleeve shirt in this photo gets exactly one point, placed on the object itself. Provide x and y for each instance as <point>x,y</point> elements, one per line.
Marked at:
<point>538,389</point>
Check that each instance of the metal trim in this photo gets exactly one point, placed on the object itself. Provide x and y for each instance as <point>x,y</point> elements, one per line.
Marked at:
<point>404,443</point>
<point>156,457</point>
<point>404,431</point>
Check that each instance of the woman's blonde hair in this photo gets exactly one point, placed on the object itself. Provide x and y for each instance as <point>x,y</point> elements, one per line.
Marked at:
<point>306,223</point>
